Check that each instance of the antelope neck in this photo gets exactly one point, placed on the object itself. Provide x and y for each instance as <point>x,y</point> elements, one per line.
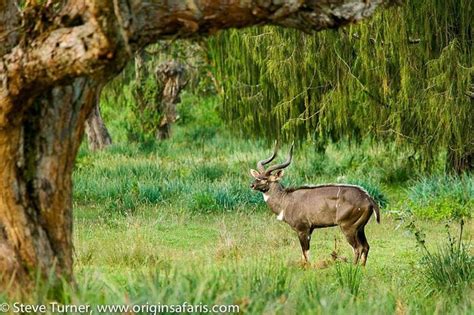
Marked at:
<point>273,195</point>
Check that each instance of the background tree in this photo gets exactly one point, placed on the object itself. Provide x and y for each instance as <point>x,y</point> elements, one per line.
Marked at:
<point>98,136</point>
<point>161,73</point>
<point>50,71</point>
<point>156,92</point>
<point>171,78</point>
<point>404,77</point>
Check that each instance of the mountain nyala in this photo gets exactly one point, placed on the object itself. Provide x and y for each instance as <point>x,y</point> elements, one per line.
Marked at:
<point>311,207</point>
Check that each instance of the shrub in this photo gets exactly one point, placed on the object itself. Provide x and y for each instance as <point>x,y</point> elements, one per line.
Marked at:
<point>185,108</point>
<point>442,197</point>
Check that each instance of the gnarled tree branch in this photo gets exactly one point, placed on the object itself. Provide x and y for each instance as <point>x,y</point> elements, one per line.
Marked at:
<point>104,35</point>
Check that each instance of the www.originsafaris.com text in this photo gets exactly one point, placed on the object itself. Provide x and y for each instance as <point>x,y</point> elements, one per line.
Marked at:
<point>147,308</point>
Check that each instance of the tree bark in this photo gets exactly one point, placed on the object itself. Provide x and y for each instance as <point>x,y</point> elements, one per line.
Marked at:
<point>9,23</point>
<point>37,155</point>
<point>171,77</point>
<point>49,73</point>
<point>97,134</point>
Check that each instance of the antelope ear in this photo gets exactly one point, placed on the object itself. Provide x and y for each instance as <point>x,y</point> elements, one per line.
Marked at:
<point>279,174</point>
<point>254,173</point>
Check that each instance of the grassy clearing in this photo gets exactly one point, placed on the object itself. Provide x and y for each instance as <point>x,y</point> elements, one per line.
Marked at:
<point>252,260</point>
<point>176,222</point>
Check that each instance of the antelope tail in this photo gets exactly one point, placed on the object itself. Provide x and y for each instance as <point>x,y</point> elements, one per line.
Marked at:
<point>377,210</point>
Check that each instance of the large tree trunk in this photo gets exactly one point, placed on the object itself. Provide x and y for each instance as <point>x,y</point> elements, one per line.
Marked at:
<point>37,154</point>
<point>97,134</point>
<point>48,85</point>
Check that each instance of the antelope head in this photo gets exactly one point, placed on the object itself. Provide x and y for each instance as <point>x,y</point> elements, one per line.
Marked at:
<point>264,178</point>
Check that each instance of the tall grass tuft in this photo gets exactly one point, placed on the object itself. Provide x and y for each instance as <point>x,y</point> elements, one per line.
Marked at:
<point>349,277</point>
<point>450,269</point>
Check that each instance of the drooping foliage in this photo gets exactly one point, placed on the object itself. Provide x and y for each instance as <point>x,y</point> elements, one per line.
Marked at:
<point>406,76</point>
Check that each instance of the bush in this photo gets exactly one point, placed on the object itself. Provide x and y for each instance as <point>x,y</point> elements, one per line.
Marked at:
<point>442,197</point>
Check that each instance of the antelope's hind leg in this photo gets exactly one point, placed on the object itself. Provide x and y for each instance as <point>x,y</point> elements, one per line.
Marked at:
<point>305,239</point>
<point>351,237</point>
<point>364,245</point>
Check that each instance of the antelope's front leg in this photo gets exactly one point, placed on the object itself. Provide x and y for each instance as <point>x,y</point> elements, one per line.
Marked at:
<point>305,238</point>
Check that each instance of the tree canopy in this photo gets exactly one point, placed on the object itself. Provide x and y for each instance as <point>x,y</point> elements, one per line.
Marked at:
<point>406,76</point>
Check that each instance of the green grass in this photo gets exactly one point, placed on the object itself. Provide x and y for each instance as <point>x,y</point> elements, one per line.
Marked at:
<point>450,268</point>
<point>176,222</point>
<point>160,255</point>
<point>349,277</point>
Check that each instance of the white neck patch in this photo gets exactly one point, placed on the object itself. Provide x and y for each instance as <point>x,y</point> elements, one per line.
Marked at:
<point>280,216</point>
